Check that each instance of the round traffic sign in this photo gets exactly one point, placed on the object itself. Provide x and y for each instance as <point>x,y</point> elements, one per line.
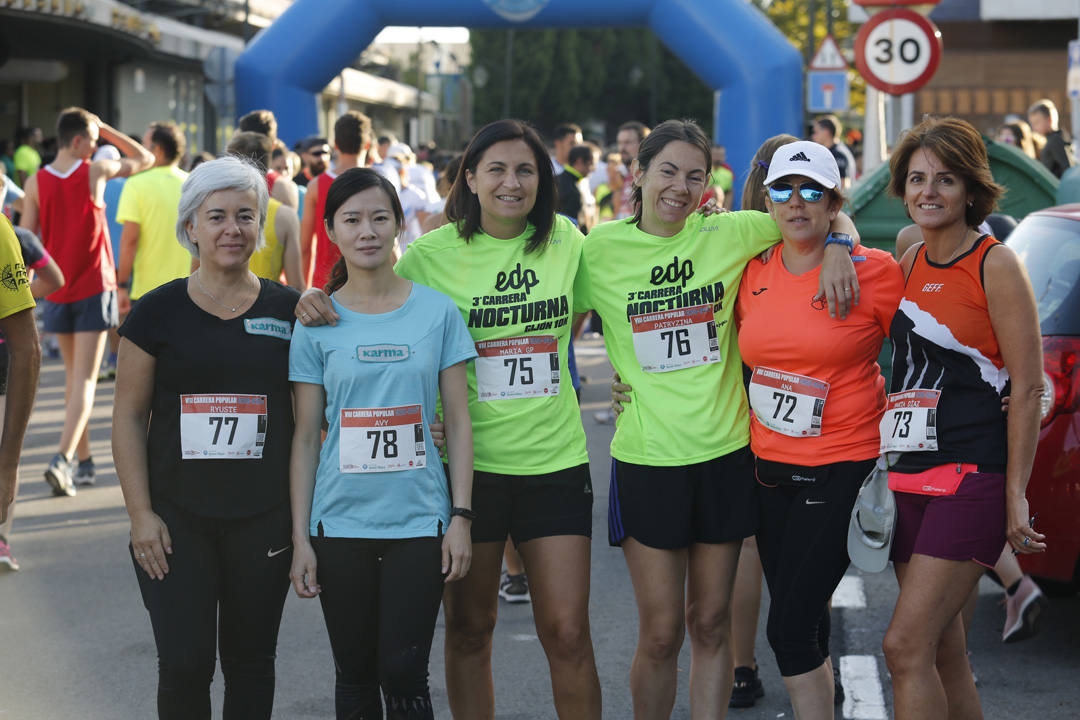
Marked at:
<point>898,51</point>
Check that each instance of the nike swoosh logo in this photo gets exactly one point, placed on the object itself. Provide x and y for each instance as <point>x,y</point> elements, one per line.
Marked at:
<point>758,292</point>
<point>815,502</point>
<point>271,552</point>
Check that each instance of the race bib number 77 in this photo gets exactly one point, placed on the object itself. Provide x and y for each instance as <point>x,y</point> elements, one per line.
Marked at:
<point>222,427</point>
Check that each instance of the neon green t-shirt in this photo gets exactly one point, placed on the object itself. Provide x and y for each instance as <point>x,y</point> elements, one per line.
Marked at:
<point>657,296</point>
<point>14,284</point>
<point>723,177</point>
<point>150,199</point>
<point>26,159</point>
<point>518,308</point>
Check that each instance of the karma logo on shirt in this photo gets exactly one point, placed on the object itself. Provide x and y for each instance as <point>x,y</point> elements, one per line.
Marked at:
<point>382,353</point>
<point>271,327</point>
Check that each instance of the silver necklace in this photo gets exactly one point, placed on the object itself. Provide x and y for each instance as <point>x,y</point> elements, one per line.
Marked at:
<point>213,297</point>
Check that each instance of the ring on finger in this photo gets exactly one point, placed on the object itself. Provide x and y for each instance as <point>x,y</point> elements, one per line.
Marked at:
<point>1027,541</point>
<point>142,555</point>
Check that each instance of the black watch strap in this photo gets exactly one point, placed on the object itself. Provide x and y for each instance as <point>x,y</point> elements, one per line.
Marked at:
<point>466,513</point>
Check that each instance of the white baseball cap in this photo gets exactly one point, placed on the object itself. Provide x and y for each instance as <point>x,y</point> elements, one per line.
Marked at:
<point>873,519</point>
<point>807,158</point>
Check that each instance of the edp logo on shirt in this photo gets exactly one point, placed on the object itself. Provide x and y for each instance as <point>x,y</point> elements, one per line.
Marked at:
<point>516,279</point>
<point>672,273</point>
<point>382,353</point>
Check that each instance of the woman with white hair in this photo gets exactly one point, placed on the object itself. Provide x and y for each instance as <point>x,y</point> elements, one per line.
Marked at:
<point>202,428</point>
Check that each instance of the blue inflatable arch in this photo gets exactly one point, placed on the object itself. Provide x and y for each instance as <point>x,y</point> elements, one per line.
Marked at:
<point>755,71</point>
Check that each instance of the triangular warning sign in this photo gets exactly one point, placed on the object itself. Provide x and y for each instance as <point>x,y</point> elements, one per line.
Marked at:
<point>828,56</point>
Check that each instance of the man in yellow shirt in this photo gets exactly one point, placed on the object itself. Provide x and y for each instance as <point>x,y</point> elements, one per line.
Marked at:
<point>24,359</point>
<point>149,253</point>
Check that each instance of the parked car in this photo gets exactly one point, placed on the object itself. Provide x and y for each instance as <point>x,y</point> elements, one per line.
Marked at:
<point>1048,243</point>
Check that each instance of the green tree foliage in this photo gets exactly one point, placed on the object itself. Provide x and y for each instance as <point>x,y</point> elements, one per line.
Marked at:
<point>603,75</point>
<point>792,18</point>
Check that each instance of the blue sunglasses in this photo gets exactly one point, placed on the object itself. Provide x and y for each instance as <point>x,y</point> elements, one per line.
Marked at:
<point>780,192</point>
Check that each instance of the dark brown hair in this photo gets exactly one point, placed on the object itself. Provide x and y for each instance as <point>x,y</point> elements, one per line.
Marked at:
<point>462,205</point>
<point>961,149</point>
<point>345,185</point>
<point>352,132</point>
<point>753,192</point>
<point>252,146</point>
<point>71,123</point>
<point>167,136</point>
<point>666,132</point>
<point>259,121</point>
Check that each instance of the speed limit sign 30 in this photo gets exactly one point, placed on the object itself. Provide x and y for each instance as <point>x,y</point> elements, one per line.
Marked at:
<point>897,51</point>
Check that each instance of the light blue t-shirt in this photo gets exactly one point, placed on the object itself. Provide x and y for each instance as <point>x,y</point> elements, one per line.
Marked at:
<point>381,375</point>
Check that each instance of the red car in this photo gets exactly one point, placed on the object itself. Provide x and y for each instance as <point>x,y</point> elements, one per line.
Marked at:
<point>1048,242</point>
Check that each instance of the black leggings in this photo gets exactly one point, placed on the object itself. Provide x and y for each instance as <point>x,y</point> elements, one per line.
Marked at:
<point>380,599</point>
<point>802,540</point>
<point>225,588</point>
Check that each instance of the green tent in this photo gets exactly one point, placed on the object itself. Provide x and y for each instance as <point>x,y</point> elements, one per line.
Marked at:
<point>879,216</point>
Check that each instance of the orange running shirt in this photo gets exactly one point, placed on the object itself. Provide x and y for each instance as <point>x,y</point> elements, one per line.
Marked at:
<point>781,330</point>
<point>943,340</point>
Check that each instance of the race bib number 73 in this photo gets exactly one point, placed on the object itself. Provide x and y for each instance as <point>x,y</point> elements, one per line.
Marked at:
<point>381,439</point>
<point>222,427</point>
<point>910,421</point>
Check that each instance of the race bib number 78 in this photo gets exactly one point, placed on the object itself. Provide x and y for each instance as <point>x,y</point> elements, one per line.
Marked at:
<point>381,439</point>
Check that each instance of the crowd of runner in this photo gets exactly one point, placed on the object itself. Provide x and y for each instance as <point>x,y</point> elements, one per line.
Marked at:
<point>355,377</point>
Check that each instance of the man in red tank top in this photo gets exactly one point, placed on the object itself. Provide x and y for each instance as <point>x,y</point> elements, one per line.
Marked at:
<point>65,205</point>
<point>352,138</point>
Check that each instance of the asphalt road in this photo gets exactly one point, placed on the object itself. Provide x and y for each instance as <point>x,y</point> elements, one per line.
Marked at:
<point>75,640</point>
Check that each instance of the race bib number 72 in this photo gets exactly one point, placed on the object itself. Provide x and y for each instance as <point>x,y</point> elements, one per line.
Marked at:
<point>222,427</point>
<point>788,403</point>
<point>381,439</point>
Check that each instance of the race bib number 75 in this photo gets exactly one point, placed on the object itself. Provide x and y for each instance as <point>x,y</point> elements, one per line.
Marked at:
<point>222,427</point>
<point>381,439</point>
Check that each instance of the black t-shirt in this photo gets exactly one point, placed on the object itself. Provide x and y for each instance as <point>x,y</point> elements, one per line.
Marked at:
<point>32,249</point>
<point>569,195</point>
<point>210,361</point>
<point>841,161</point>
<point>1056,155</point>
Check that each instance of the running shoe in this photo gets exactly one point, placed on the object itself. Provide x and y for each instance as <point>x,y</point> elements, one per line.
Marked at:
<point>84,474</point>
<point>604,417</point>
<point>108,369</point>
<point>59,476</point>
<point>514,588</point>
<point>1023,611</point>
<point>7,560</point>
<point>747,688</point>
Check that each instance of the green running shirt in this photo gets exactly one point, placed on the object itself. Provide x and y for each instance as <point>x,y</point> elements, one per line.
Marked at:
<point>692,413</point>
<point>519,310</point>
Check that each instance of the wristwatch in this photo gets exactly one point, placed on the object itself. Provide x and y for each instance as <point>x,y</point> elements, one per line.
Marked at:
<point>839,238</point>
<point>466,513</point>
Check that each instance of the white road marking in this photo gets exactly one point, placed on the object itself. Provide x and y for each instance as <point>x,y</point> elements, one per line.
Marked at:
<point>849,593</point>
<point>523,637</point>
<point>863,698</point>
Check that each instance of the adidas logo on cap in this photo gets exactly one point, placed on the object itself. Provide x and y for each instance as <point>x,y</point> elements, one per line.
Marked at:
<point>800,156</point>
